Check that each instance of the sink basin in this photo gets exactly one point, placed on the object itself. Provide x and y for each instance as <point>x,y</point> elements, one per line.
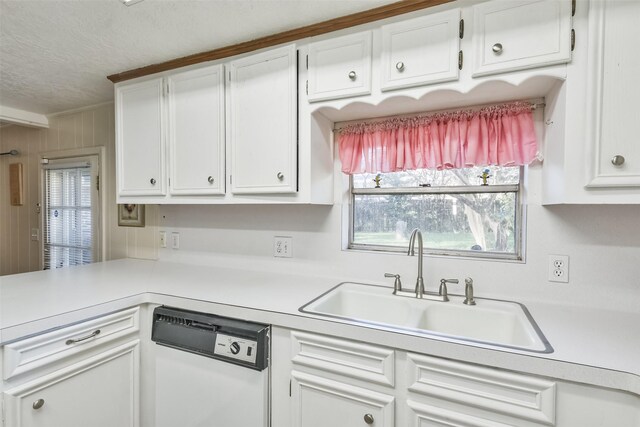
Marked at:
<point>490,322</point>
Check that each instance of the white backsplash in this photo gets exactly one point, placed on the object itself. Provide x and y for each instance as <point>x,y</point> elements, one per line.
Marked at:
<point>603,243</point>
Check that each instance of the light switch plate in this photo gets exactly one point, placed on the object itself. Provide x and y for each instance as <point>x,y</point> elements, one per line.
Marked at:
<point>282,246</point>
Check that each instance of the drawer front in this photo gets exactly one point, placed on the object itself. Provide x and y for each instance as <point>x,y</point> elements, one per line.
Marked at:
<point>421,51</point>
<point>488,389</point>
<point>41,350</point>
<point>516,35</point>
<point>356,360</point>
<point>340,67</point>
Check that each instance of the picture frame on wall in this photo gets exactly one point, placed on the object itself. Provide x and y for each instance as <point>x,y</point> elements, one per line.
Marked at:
<point>130,215</point>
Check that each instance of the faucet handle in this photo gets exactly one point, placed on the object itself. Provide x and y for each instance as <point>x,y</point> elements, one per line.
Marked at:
<point>443,288</point>
<point>397,284</point>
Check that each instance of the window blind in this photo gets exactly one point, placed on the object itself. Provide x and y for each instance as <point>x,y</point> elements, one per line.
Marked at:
<point>68,223</point>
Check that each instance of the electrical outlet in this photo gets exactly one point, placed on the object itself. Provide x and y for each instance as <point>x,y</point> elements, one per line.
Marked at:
<point>559,268</point>
<point>175,240</point>
<point>163,239</point>
<point>282,247</point>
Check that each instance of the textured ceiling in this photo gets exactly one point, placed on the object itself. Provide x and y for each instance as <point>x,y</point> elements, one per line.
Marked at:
<point>55,54</point>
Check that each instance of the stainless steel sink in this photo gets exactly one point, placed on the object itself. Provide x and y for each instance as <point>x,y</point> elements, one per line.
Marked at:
<point>490,322</point>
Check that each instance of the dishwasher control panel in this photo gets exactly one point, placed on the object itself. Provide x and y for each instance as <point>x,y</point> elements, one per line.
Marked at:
<point>235,348</point>
<point>232,340</point>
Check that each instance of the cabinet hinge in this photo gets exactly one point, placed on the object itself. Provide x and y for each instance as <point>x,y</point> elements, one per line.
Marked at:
<point>307,62</point>
<point>573,7</point>
<point>229,75</point>
<point>44,161</point>
<point>460,60</point>
<point>289,388</point>
<point>573,39</point>
<point>307,87</point>
<point>230,179</point>
<point>461,29</point>
<point>97,182</point>
<point>167,88</point>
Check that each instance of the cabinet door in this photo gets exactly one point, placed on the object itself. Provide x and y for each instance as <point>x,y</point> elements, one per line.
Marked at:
<point>340,67</point>
<point>421,51</point>
<point>101,391</point>
<point>140,139</point>
<point>516,35</point>
<point>196,132</point>
<point>319,402</point>
<point>613,72</point>
<point>262,127</point>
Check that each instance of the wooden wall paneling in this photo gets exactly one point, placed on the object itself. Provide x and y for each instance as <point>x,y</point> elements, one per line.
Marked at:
<point>89,128</point>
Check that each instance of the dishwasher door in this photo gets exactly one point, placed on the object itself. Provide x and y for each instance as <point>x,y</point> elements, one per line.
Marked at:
<point>197,391</point>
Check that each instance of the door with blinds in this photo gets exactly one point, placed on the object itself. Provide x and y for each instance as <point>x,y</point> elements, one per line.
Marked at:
<point>70,211</point>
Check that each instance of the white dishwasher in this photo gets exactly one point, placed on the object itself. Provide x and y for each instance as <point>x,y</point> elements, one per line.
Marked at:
<point>211,371</point>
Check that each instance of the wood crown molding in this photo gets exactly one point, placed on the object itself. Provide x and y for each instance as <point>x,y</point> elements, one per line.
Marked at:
<point>382,12</point>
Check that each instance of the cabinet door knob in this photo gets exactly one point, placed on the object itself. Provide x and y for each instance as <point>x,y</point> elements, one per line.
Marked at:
<point>617,160</point>
<point>497,48</point>
<point>38,404</point>
<point>280,176</point>
<point>152,181</point>
<point>400,66</point>
<point>210,179</point>
<point>352,75</point>
<point>368,418</point>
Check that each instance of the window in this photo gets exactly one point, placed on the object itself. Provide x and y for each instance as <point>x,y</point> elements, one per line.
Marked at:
<point>457,214</point>
<point>70,212</point>
<point>425,171</point>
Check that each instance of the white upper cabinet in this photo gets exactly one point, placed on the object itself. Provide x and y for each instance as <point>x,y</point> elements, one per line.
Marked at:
<point>421,51</point>
<point>517,35</point>
<point>140,139</point>
<point>340,67</point>
<point>614,122</point>
<point>262,122</point>
<point>196,131</point>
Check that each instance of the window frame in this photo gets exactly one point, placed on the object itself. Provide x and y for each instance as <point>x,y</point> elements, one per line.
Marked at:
<point>519,220</point>
<point>97,156</point>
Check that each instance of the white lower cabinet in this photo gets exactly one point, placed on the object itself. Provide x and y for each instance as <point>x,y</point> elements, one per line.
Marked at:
<point>327,381</point>
<point>83,375</point>
<point>320,402</point>
<point>101,391</point>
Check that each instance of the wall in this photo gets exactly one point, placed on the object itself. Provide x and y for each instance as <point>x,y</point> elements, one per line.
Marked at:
<point>603,243</point>
<point>92,127</point>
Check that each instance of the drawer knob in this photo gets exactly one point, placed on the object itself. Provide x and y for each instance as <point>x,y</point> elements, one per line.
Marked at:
<point>280,176</point>
<point>210,179</point>
<point>368,418</point>
<point>400,66</point>
<point>497,48</point>
<point>617,160</point>
<point>152,181</point>
<point>352,75</point>
<point>38,404</point>
<point>77,340</point>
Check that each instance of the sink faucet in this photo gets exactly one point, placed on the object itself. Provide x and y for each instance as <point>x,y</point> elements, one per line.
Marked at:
<point>412,243</point>
<point>416,234</point>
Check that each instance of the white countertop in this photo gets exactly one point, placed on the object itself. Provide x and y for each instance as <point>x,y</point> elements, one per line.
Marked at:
<point>592,346</point>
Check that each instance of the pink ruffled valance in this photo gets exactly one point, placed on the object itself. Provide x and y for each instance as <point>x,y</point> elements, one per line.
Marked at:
<point>501,135</point>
